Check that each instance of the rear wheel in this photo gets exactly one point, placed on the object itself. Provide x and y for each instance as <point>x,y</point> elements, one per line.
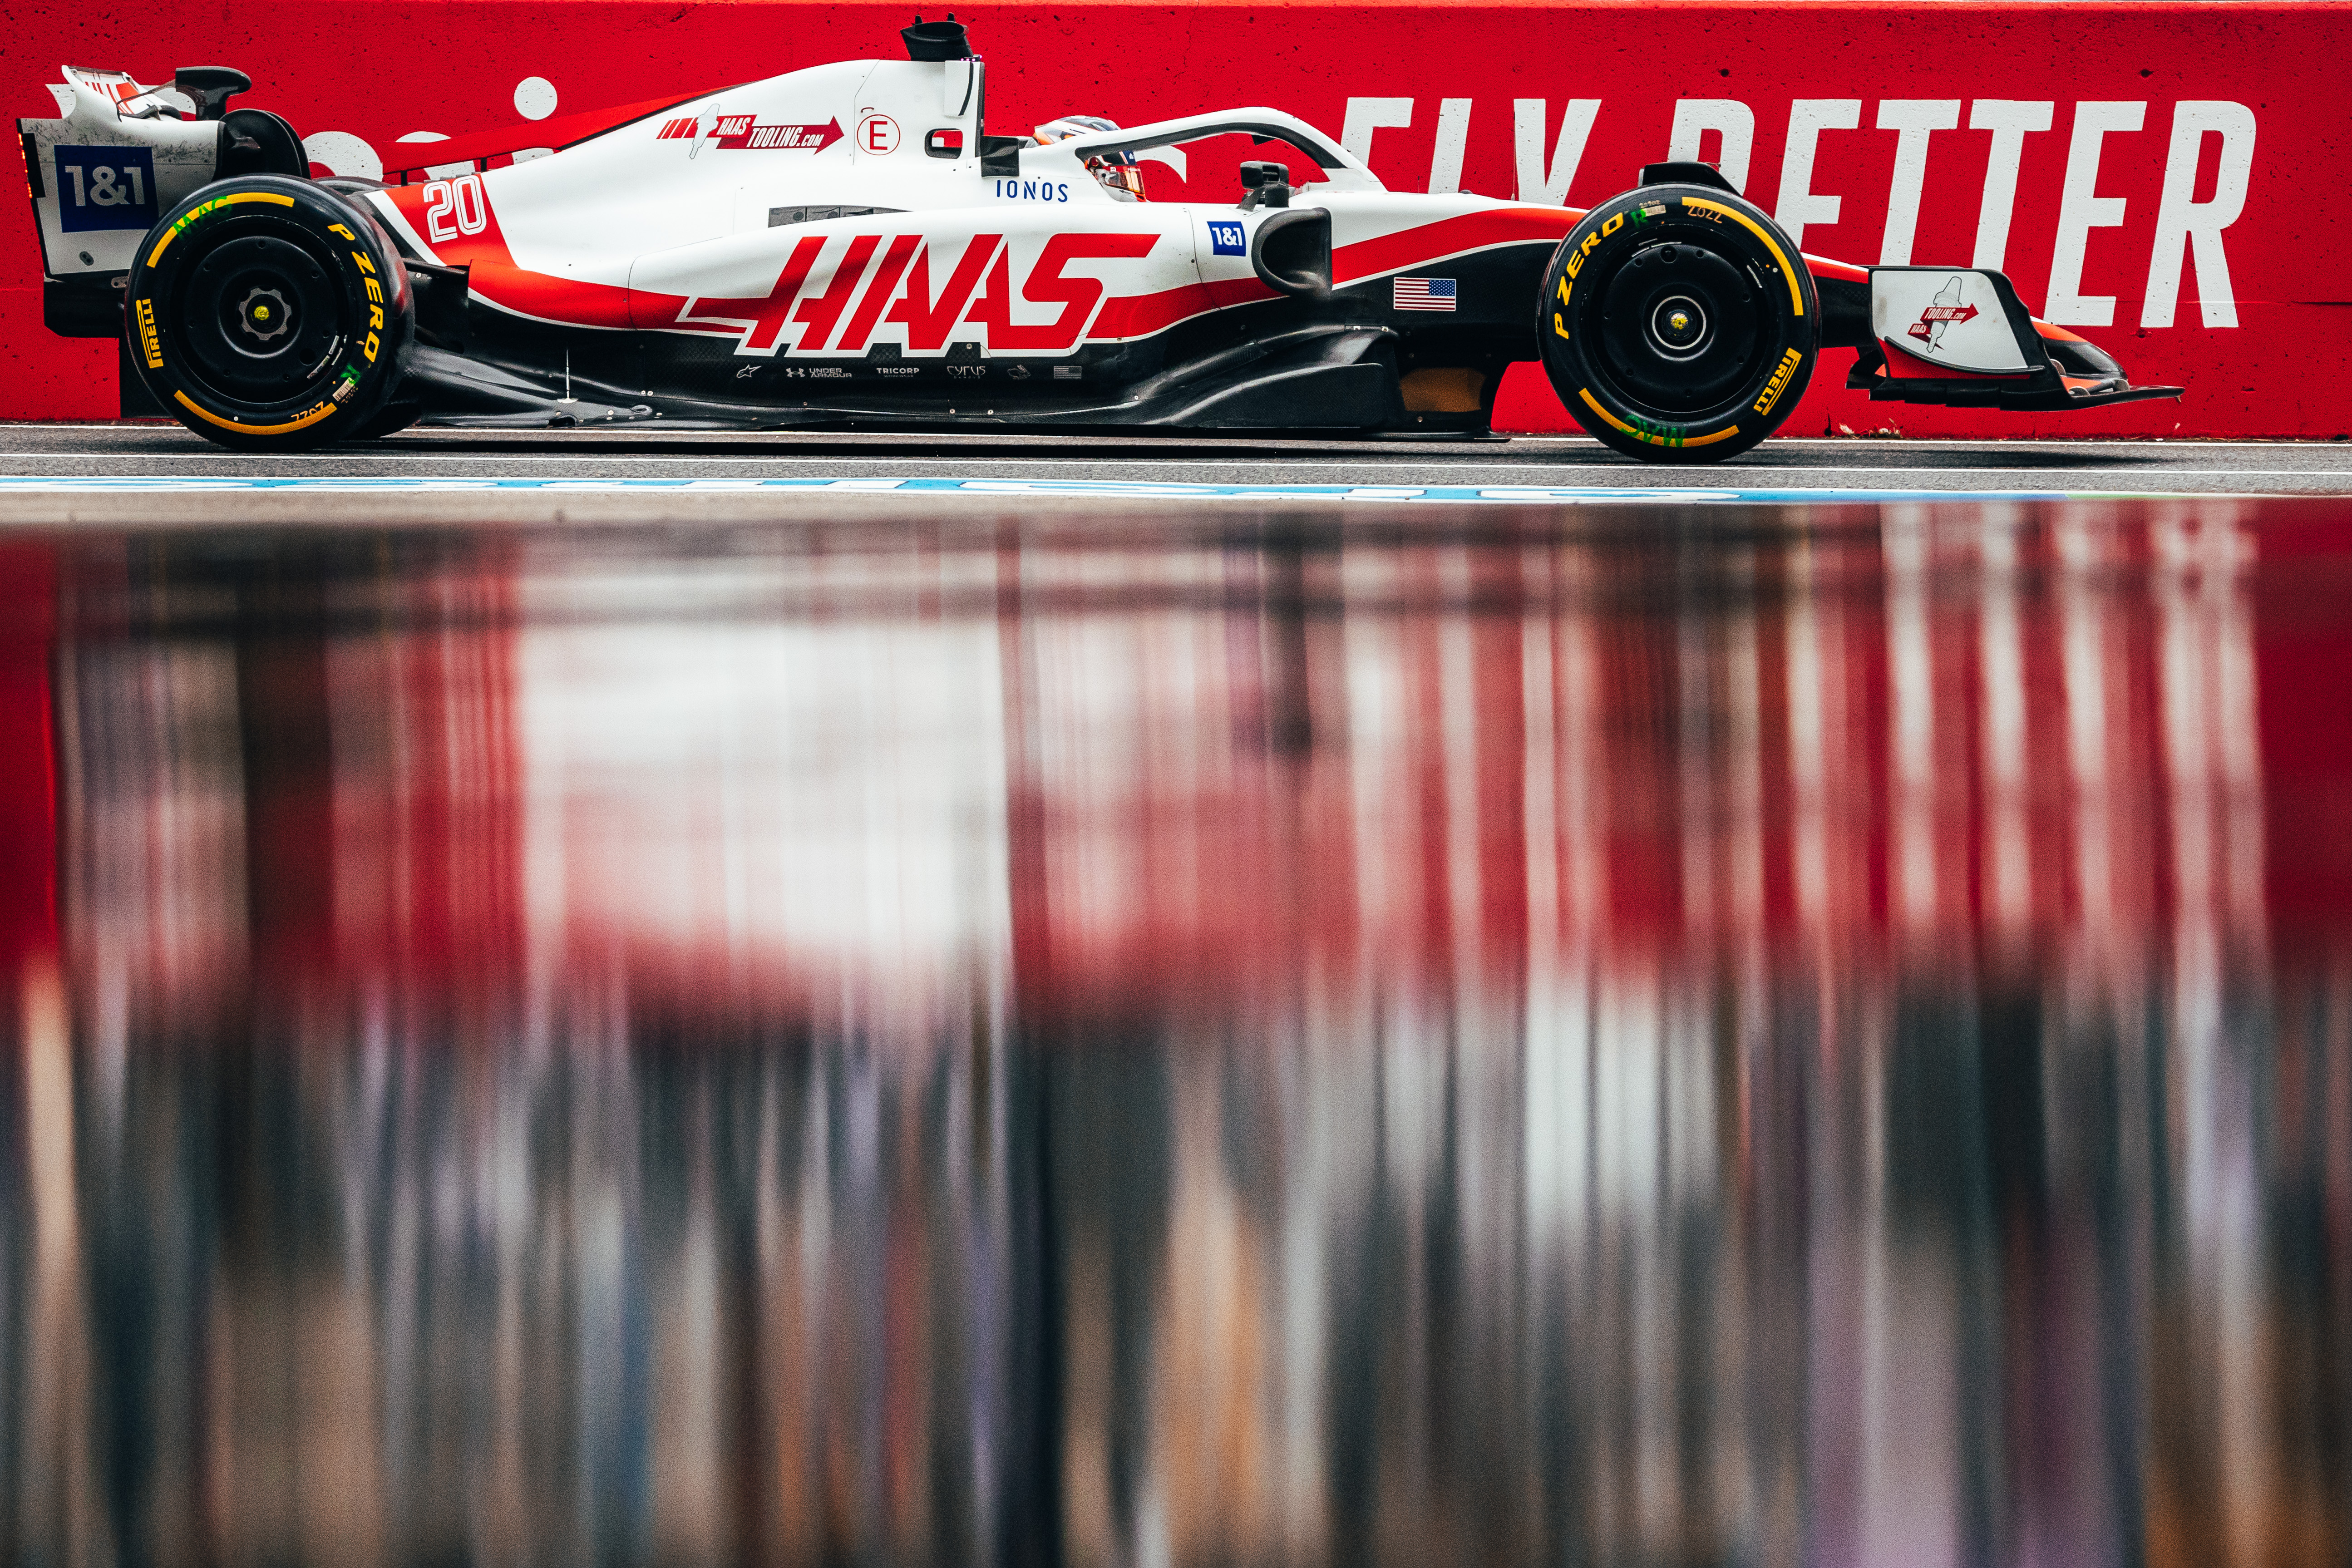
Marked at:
<point>1678,324</point>
<point>268,314</point>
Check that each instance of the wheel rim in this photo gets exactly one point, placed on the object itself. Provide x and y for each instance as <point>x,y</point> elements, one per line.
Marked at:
<point>1680,329</point>
<point>261,319</point>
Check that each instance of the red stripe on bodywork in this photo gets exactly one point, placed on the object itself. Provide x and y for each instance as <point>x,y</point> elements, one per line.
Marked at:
<point>929,320</point>
<point>762,321</point>
<point>1451,236</point>
<point>1045,285</point>
<point>560,131</point>
<point>878,292</point>
<point>1141,315</point>
<point>820,312</point>
<point>494,277</point>
<point>1905,366</point>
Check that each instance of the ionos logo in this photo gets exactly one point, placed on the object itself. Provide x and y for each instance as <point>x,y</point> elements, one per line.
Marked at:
<point>148,341</point>
<point>1780,382</point>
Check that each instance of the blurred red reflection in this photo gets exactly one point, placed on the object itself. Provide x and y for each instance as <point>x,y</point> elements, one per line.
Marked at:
<point>1739,1036</point>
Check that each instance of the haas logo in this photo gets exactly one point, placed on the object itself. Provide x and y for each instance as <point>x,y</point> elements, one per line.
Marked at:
<point>910,282</point>
<point>1940,315</point>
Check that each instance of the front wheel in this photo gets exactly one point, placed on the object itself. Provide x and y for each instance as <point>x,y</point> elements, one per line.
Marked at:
<point>268,315</point>
<point>1678,324</point>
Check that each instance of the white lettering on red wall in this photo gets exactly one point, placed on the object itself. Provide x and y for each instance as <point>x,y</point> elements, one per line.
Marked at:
<point>1540,181</point>
<point>1914,121</point>
<point>2010,121</point>
<point>1546,153</point>
<point>2199,225</point>
<point>2082,209</point>
<point>1798,204</point>
<point>1730,121</point>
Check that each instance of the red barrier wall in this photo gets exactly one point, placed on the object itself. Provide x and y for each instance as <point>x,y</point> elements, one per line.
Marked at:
<point>2157,116</point>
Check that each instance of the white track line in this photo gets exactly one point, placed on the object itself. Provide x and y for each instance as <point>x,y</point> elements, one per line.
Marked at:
<point>1497,473</point>
<point>174,431</point>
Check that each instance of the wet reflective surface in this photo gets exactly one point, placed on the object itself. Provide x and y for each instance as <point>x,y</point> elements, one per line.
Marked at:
<point>1701,1038</point>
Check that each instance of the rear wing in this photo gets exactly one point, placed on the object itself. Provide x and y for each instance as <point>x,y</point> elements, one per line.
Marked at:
<point>100,174</point>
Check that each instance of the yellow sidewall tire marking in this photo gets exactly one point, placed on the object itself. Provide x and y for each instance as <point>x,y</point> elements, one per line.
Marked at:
<point>1726,433</point>
<point>173,233</point>
<point>1796,296</point>
<point>301,422</point>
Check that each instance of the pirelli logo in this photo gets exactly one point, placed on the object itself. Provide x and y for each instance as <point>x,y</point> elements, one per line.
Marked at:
<point>149,343</point>
<point>1780,382</point>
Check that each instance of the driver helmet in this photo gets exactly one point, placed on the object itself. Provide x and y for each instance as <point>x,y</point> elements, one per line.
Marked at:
<point>1116,172</point>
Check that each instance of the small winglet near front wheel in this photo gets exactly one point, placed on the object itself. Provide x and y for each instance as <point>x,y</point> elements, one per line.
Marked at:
<point>1678,324</point>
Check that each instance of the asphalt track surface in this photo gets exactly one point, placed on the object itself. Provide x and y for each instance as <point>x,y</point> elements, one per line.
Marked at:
<point>78,455</point>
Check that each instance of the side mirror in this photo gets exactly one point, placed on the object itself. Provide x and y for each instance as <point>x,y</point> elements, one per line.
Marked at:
<point>1268,185</point>
<point>945,142</point>
<point>999,156</point>
<point>210,87</point>
<point>936,41</point>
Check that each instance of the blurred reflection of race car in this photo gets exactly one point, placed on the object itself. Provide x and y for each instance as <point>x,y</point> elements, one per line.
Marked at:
<point>844,245</point>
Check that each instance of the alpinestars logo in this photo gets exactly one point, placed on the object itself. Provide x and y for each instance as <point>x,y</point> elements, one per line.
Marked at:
<point>1945,310</point>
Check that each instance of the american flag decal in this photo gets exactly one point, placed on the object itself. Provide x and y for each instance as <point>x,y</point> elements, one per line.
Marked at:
<point>1420,293</point>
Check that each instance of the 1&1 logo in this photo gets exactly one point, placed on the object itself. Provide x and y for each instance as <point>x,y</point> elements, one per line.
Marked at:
<point>105,187</point>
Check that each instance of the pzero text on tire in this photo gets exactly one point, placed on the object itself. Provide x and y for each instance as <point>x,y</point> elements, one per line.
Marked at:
<point>268,314</point>
<point>1678,324</point>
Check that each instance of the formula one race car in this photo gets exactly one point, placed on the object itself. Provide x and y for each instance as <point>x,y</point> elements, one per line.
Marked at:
<point>844,245</point>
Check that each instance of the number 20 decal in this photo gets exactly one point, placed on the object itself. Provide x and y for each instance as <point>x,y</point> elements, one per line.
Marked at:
<point>453,207</point>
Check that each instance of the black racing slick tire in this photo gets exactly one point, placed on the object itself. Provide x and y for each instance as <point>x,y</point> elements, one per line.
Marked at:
<point>268,314</point>
<point>1678,324</point>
